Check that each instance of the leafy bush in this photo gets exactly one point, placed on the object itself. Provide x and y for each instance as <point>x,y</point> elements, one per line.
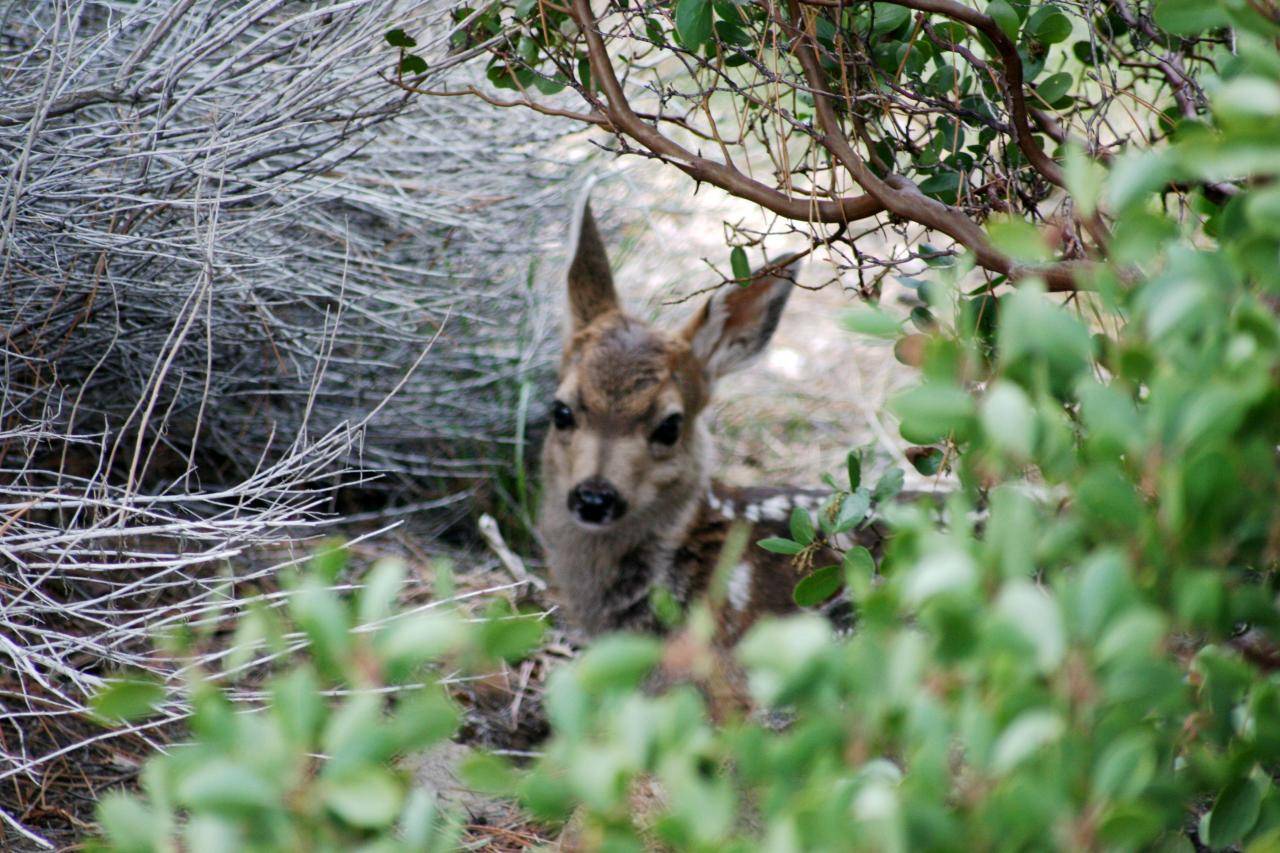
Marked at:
<point>1079,650</point>
<point>313,769</point>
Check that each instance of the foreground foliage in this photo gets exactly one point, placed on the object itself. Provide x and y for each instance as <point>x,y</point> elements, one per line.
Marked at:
<point>1077,650</point>
<point>1081,652</point>
<point>311,765</point>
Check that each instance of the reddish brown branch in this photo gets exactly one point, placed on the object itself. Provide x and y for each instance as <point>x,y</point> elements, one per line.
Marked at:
<point>625,121</point>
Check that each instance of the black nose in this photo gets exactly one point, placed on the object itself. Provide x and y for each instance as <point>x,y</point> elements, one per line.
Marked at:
<point>596,501</point>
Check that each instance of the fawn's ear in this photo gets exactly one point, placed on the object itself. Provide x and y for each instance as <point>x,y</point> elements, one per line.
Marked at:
<point>591,290</point>
<point>737,322</point>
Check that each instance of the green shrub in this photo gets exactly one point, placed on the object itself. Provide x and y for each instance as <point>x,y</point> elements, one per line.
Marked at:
<point>313,765</point>
<point>1060,663</point>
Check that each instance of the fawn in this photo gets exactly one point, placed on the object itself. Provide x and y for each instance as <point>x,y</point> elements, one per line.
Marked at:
<point>628,499</point>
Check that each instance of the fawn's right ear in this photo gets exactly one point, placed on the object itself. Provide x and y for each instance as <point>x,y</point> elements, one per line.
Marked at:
<point>591,290</point>
<point>736,323</point>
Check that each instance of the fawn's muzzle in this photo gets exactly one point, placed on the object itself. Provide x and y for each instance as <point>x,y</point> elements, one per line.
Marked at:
<point>596,501</point>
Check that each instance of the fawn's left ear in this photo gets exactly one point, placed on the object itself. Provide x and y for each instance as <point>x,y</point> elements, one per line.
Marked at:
<point>737,322</point>
<point>591,291</point>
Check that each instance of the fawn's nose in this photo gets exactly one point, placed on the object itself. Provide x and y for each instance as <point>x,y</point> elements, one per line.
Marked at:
<point>596,501</point>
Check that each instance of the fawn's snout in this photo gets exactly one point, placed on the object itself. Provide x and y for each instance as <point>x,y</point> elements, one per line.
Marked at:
<point>595,501</point>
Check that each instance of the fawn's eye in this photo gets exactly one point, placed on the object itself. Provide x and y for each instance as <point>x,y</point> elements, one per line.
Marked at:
<point>561,415</point>
<point>668,432</point>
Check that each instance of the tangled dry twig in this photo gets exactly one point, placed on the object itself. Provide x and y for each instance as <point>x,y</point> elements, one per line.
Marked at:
<point>225,245</point>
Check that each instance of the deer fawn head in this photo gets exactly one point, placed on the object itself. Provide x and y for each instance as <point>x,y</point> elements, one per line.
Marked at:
<point>628,452</point>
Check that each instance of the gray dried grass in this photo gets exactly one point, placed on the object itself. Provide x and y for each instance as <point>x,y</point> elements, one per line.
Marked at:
<point>238,271</point>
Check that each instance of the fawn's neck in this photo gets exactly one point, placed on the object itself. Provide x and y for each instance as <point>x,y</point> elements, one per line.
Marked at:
<point>605,579</point>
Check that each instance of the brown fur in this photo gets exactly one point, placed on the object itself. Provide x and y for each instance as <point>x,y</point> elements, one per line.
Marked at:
<point>621,379</point>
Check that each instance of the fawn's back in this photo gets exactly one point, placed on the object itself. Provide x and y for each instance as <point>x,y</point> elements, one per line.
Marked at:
<point>628,501</point>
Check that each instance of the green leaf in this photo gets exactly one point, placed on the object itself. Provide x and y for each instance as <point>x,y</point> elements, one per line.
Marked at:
<point>889,486</point>
<point>1004,16</point>
<point>817,586</point>
<point>1009,420</point>
<point>1049,25</point>
<point>1084,178</point>
<point>693,22</point>
<point>129,824</point>
<point>399,38</point>
<point>1125,769</point>
<point>227,787</point>
<point>927,461</point>
<point>1233,814</point>
<point>1189,17</point>
<point>488,773</point>
<point>944,186</point>
<point>1025,736</point>
<point>741,267</point>
<point>932,411</point>
<point>1034,614</point>
<point>867,319</point>
<point>329,561</point>
<point>859,571</point>
<point>888,17</point>
<point>853,510</point>
<point>778,545</point>
<point>325,621</point>
<point>409,641</point>
<point>128,698</point>
<point>618,662</point>
<point>427,716</point>
<point>298,706</point>
<point>853,463</point>
<point>801,525</point>
<point>510,637</point>
<point>779,654</point>
<point>1136,174</point>
<point>1054,87</point>
<point>938,573</point>
<point>1018,239</point>
<point>367,797</point>
<point>381,586</point>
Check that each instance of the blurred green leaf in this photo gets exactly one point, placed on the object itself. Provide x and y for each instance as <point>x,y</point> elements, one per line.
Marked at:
<point>618,662</point>
<point>368,797</point>
<point>1234,812</point>
<point>867,319</point>
<point>930,412</point>
<point>817,586</point>
<point>227,787</point>
<point>1029,732</point>
<point>1188,17</point>
<point>1008,419</point>
<point>1018,239</point>
<point>127,698</point>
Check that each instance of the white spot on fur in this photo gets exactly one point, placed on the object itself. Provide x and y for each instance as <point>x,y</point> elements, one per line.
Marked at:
<point>714,501</point>
<point>776,508</point>
<point>729,510</point>
<point>751,513</point>
<point>740,587</point>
